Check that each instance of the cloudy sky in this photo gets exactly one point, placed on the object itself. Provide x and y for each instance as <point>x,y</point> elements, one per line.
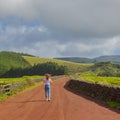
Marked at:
<point>59,28</point>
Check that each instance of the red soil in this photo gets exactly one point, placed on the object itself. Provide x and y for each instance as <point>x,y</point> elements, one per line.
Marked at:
<point>64,105</point>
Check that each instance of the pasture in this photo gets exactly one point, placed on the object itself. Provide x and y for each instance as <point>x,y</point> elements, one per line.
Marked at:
<point>92,77</point>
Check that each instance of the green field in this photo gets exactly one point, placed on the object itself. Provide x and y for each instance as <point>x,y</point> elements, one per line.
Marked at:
<point>14,80</point>
<point>72,67</point>
<point>92,77</point>
<point>10,60</point>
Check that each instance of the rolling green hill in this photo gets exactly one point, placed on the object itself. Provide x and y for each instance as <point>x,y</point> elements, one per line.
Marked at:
<point>106,69</point>
<point>10,60</point>
<point>72,67</point>
<point>14,60</point>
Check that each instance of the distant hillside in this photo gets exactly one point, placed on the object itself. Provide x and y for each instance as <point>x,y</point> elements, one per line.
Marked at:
<point>76,59</point>
<point>111,58</point>
<point>10,60</point>
<point>14,60</point>
<point>106,69</point>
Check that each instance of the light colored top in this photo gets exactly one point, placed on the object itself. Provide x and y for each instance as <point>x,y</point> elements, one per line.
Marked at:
<point>47,82</point>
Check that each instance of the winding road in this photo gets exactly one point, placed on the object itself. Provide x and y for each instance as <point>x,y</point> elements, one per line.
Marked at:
<point>65,105</point>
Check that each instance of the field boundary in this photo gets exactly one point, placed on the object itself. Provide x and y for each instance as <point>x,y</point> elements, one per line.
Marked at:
<point>7,88</point>
<point>11,87</point>
<point>94,90</point>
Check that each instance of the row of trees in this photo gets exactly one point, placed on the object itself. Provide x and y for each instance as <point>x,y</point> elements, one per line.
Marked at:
<point>38,69</point>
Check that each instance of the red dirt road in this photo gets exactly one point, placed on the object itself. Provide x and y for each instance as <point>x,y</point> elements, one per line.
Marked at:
<point>64,105</point>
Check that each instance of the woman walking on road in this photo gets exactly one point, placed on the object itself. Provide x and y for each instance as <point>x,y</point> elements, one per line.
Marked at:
<point>47,86</point>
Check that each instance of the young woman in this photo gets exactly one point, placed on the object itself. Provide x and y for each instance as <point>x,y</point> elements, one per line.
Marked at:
<point>47,86</point>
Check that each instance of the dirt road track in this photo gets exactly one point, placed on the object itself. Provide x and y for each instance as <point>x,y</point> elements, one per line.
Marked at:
<point>64,105</point>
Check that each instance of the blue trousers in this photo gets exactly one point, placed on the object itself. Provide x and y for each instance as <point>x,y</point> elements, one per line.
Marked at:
<point>47,91</point>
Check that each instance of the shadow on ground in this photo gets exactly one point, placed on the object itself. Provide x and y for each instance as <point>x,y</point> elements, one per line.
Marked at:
<point>101,103</point>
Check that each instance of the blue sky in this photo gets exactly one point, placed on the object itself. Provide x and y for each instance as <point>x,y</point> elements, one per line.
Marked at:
<point>59,28</point>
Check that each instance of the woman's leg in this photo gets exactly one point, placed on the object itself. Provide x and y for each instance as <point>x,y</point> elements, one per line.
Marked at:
<point>46,92</point>
<point>49,93</point>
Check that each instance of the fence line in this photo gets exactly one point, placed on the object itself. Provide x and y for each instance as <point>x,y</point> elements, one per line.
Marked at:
<point>5,88</point>
<point>9,87</point>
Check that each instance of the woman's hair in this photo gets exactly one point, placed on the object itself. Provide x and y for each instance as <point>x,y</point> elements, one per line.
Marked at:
<point>47,75</point>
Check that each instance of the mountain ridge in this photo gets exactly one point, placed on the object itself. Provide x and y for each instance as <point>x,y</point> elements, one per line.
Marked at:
<point>106,58</point>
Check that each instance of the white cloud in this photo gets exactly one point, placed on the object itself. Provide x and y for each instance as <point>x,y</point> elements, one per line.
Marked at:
<point>86,18</point>
<point>91,50</point>
<point>72,28</point>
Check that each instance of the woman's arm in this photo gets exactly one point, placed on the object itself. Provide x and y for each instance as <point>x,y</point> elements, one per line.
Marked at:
<point>51,81</point>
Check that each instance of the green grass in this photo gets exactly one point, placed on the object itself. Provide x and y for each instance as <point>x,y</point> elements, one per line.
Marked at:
<point>113,104</point>
<point>109,81</point>
<point>3,97</point>
<point>14,80</point>
<point>19,90</point>
<point>10,60</point>
<point>72,67</point>
<point>92,77</point>
<point>28,86</point>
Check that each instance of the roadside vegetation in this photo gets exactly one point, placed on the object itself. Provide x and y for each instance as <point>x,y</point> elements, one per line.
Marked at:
<point>113,104</point>
<point>26,83</point>
<point>22,88</point>
<point>104,73</point>
<point>92,77</point>
<point>21,79</point>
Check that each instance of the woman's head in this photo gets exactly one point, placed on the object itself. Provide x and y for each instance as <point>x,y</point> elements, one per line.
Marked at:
<point>47,76</point>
